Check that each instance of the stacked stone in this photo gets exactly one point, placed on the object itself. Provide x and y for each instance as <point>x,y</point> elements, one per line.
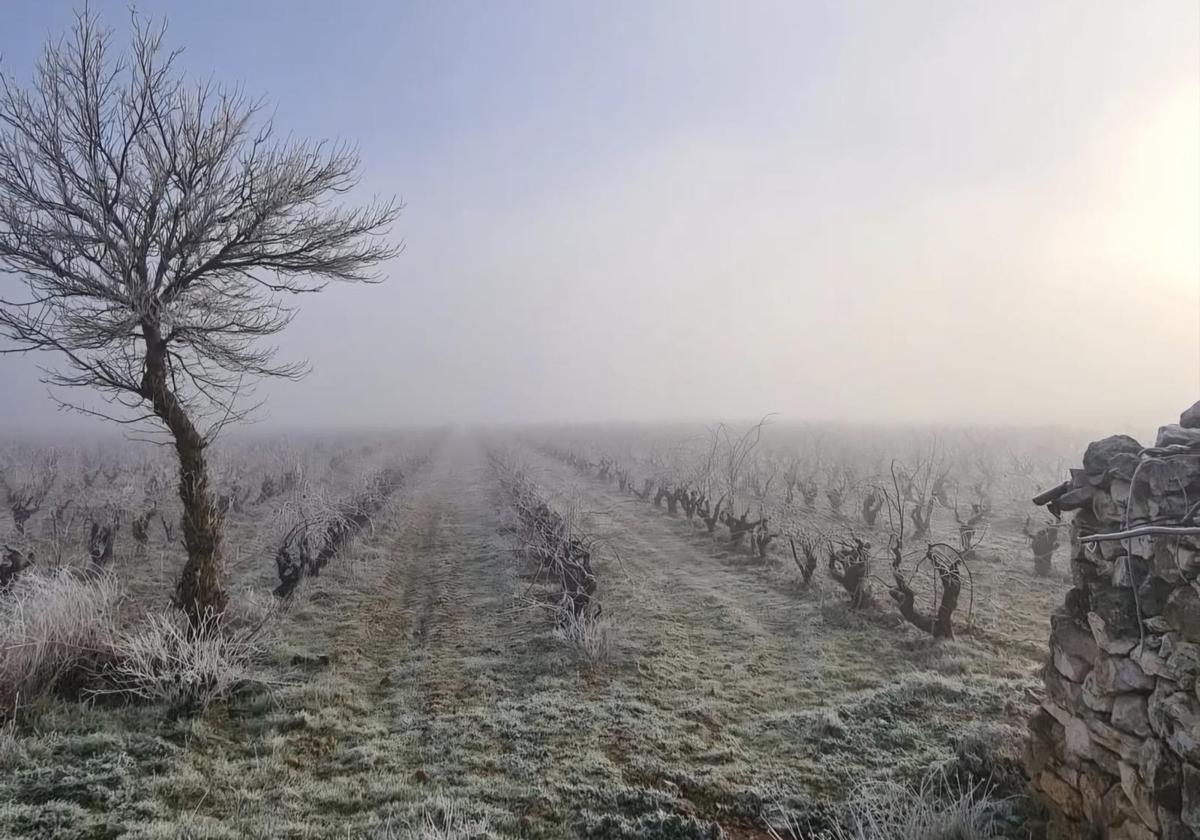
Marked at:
<point>1114,748</point>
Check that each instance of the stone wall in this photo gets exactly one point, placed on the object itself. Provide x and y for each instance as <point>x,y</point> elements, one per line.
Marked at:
<point>1114,749</point>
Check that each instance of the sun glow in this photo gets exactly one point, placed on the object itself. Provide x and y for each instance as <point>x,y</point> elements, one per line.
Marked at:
<point>1156,224</point>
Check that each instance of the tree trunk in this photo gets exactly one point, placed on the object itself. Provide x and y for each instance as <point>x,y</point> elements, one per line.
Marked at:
<point>905,599</point>
<point>940,625</point>
<point>943,627</point>
<point>200,592</point>
<point>1043,563</point>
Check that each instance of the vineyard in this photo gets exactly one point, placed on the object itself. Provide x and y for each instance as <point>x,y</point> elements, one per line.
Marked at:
<point>479,581</point>
<point>763,630</point>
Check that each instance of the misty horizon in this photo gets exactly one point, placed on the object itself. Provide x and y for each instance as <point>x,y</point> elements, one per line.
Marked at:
<point>836,213</point>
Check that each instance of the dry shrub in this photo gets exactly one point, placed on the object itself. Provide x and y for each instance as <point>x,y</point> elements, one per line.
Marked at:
<point>62,631</point>
<point>161,660</point>
<point>939,809</point>
<point>443,818</point>
<point>55,627</point>
<point>590,636</point>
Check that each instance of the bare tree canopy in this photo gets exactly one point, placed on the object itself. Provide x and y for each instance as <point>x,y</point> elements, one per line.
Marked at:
<point>152,218</point>
<point>158,229</point>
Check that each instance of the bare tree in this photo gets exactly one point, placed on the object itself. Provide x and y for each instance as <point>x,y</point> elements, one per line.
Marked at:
<point>25,494</point>
<point>155,230</point>
<point>710,515</point>
<point>809,546</point>
<point>920,486</point>
<point>949,570</point>
<point>315,528</point>
<point>13,561</point>
<point>809,489</point>
<point>872,504</point>
<point>791,478</point>
<point>140,526</point>
<point>100,543</point>
<point>839,483</point>
<point>850,566</point>
<point>972,529</point>
<point>1044,542</point>
<point>922,517</point>
<point>734,454</point>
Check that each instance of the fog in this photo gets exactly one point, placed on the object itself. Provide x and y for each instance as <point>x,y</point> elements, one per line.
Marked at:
<point>919,212</point>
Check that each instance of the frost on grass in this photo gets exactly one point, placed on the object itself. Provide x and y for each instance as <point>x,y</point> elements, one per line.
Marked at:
<point>938,809</point>
<point>444,818</point>
<point>659,825</point>
<point>55,626</point>
<point>63,631</point>
<point>160,661</point>
<point>590,636</point>
<point>79,784</point>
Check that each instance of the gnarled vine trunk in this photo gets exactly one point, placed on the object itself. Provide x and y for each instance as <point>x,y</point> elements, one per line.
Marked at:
<point>200,592</point>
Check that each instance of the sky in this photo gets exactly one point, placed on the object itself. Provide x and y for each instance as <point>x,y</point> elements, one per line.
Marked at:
<point>912,212</point>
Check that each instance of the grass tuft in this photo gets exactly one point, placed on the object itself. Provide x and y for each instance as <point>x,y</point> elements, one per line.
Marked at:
<point>55,626</point>
<point>443,818</point>
<point>591,637</point>
<point>940,808</point>
<point>159,660</point>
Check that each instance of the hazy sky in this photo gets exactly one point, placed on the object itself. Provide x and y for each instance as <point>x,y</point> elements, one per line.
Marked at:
<point>910,211</point>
